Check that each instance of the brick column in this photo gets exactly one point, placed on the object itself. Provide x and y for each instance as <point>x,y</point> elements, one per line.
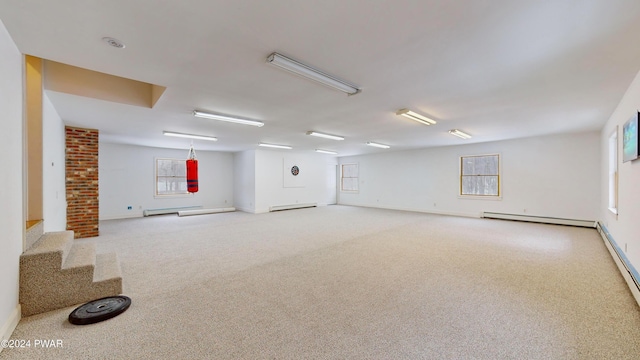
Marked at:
<point>82,181</point>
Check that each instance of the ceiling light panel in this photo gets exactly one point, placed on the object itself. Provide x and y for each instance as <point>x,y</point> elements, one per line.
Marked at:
<point>326,152</point>
<point>415,116</point>
<point>190,136</point>
<point>326,136</point>
<point>275,146</point>
<point>311,73</point>
<point>378,145</point>
<point>232,119</point>
<point>460,134</point>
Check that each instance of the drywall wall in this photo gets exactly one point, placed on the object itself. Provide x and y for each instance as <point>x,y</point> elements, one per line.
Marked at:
<point>556,176</point>
<point>244,174</point>
<point>624,227</point>
<point>127,178</point>
<point>12,217</point>
<point>54,207</point>
<point>276,185</point>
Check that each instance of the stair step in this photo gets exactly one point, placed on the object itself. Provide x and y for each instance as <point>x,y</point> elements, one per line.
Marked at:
<point>50,251</point>
<point>52,241</point>
<point>107,268</point>
<point>81,256</point>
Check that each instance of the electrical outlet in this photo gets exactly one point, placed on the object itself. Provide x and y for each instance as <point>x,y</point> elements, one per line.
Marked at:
<point>524,210</point>
<point>129,207</point>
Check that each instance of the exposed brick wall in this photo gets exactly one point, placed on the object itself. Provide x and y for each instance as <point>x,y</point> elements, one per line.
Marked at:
<point>82,181</point>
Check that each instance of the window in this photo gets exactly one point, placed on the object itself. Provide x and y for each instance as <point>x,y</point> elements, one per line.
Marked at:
<point>349,179</point>
<point>171,177</point>
<point>613,172</point>
<point>480,175</point>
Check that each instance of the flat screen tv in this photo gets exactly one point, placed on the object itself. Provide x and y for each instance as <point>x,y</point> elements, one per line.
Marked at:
<point>630,139</point>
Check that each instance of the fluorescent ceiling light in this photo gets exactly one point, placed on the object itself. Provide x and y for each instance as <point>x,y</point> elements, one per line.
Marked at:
<point>415,117</point>
<point>205,115</point>
<point>382,146</point>
<point>326,152</point>
<point>275,146</point>
<point>189,136</point>
<point>311,73</point>
<point>460,134</point>
<point>327,136</point>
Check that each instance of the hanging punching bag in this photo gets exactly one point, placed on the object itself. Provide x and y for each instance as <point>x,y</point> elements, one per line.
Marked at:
<point>192,172</point>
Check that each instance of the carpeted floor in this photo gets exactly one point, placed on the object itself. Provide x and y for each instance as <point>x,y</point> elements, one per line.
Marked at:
<point>343,282</point>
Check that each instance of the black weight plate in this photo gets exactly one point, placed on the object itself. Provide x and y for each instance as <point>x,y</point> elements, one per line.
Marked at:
<point>99,310</point>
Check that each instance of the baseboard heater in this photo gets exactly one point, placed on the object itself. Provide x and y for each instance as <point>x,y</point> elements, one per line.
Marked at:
<point>204,211</point>
<point>540,219</point>
<point>291,206</point>
<point>629,272</point>
<point>175,210</point>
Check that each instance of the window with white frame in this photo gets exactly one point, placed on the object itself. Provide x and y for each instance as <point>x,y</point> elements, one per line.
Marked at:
<point>171,177</point>
<point>613,172</point>
<point>480,175</point>
<point>349,177</point>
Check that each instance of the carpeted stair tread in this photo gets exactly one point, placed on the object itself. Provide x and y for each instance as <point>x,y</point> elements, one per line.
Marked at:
<point>81,256</point>
<point>52,242</point>
<point>107,268</point>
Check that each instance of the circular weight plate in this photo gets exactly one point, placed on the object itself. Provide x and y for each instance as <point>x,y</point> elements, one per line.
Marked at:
<point>99,310</point>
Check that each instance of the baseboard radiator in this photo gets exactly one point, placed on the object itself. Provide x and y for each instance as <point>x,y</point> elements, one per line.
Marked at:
<point>629,273</point>
<point>540,219</point>
<point>291,206</point>
<point>165,211</point>
<point>204,211</point>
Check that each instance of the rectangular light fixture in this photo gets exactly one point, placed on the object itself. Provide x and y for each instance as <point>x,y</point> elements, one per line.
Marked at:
<point>382,146</point>
<point>415,117</point>
<point>460,134</point>
<point>327,136</point>
<point>311,73</point>
<point>275,146</point>
<point>189,136</point>
<point>326,152</point>
<point>236,120</point>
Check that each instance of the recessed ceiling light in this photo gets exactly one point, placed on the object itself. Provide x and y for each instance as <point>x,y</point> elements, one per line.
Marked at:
<point>276,146</point>
<point>382,146</point>
<point>114,42</point>
<point>189,136</point>
<point>460,134</point>
<point>415,117</point>
<point>326,152</point>
<point>326,136</point>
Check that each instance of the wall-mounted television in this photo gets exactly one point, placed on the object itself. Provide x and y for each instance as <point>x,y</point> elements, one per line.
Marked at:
<point>630,139</point>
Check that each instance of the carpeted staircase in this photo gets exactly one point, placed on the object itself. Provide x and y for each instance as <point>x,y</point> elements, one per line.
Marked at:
<point>55,272</point>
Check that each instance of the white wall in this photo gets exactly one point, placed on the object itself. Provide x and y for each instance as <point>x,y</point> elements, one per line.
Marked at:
<point>244,173</point>
<point>127,178</point>
<point>625,227</point>
<point>12,219</point>
<point>54,204</point>
<point>556,176</point>
<point>272,175</point>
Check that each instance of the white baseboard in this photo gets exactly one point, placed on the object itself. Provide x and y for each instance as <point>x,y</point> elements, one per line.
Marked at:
<point>117,217</point>
<point>540,219</point>
<point>449,213</point>
<point>10,325</point>
<point>622,267</point>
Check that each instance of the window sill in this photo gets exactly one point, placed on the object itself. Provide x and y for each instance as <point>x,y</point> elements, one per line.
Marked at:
<point>479,197</point>
<point>614,210</point>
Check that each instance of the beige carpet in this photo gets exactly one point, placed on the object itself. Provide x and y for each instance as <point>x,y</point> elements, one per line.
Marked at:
<point>352,283</point>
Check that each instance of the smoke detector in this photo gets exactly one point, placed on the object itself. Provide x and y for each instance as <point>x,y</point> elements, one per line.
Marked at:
<point>114,42</point>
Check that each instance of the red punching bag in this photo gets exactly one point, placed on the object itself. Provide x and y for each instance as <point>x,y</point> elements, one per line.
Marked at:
<point>192,172</point>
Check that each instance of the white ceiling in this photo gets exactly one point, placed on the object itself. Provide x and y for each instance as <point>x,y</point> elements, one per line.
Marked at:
<point>498,69</point>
